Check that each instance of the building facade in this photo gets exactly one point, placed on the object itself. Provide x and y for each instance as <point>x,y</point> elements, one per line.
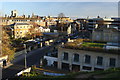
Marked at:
<point>20,29</point>
<point>103,22</point>
<point>106,35</point>
<point>81,60</point>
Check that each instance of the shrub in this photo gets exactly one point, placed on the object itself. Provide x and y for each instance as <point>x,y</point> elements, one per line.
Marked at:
<point>45,62</point>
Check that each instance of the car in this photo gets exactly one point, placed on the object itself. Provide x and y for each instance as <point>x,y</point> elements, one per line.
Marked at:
<point>37,39</point>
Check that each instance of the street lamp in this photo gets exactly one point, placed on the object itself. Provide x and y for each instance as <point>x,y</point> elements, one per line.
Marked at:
<point>25,56</point>
<point>12,33</point>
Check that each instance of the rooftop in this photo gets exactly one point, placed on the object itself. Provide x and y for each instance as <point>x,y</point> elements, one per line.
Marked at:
<point>21,24</point>
<point>85,44</point>
<point>107,29</point>
<point>21,18</point>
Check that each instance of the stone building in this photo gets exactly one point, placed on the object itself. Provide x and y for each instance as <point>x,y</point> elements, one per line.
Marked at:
<point>19,30</point>
<point>82,60</point>
<point>106,35</point>
<point>40,20</point>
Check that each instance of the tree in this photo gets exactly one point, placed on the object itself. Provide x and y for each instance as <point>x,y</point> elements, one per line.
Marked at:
<point>61,23</point>
<point>7,49</point>
<point>61,15</point>
<point>34,31</point>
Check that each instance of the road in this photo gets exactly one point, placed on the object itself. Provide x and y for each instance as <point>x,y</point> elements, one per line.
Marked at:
<point>33,58</point>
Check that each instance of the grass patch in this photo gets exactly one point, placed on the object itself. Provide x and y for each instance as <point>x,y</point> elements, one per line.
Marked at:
<point>89,44</point>
<point>84,45</point>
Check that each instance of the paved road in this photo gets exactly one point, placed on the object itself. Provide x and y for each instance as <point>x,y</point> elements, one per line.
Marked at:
<point>33,58</point>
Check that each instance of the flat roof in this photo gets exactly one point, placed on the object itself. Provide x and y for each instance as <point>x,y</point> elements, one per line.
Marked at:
<point>21,24</point>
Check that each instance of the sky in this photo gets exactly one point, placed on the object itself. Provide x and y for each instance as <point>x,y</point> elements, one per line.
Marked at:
<point>71,9</point>
<point>59,0</point>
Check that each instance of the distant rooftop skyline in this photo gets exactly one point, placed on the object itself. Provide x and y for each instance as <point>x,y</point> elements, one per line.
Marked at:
<point>71,9</point>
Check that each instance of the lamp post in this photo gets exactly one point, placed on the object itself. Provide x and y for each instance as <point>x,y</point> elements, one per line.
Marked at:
<point>12,32</point>
<point>25,56</point>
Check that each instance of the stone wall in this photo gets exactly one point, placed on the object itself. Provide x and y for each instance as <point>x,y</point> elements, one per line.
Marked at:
<point>82,53</point>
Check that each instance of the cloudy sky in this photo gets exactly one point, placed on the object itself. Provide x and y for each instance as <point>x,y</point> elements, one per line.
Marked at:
<point>72,9</point>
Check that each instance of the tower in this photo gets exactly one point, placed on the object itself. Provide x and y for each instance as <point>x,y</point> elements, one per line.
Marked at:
<point>14,13</point>
<point>33,15</point>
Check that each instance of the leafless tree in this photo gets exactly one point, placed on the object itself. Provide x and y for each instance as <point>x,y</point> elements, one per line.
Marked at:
<point>61,15</point>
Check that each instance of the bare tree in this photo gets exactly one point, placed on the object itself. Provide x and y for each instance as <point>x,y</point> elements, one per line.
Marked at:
<point>34,31</point>
<point>61,24</point>
<point>61,15</point>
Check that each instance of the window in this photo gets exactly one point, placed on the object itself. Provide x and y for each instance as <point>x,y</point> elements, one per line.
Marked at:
<point>87,68</point>
<point>17,32</point>
<point>76,58</point>
<point>17,26</point>
<point>20,32</point>
<point>112,62</point>
<point>116,37</point>
<point>87,59</point>
<point>99,60</point>
<point>97,37</point>
<point>65,56</point>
